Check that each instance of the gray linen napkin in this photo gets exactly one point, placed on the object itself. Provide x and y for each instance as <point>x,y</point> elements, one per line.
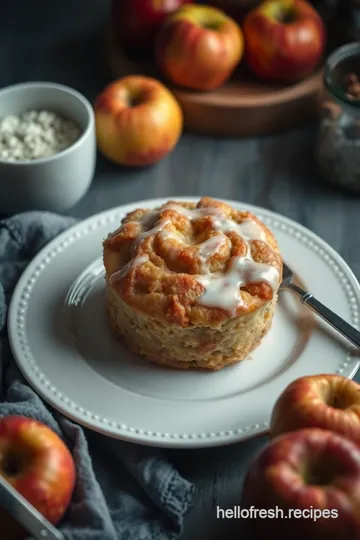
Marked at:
<point>123,490</point>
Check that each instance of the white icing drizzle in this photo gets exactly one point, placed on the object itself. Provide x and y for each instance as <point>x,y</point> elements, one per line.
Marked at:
<point>205,249</point>
<point>248,229</point>
<point>223,290</point>
<point>195,213</point>
<point>165,235</point>
<point>131,265</point>
<point>143,235</point>
<point>210,246</point>
<point>220,290</point>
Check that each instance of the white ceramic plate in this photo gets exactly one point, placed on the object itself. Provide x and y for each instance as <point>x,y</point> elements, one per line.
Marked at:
<point>62,344</point>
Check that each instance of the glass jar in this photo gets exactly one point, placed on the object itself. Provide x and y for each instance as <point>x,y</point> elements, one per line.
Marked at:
<point>338,144</point>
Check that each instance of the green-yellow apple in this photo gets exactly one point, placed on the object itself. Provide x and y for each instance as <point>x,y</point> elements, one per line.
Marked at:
<point>285,39</point>
<point>199,47</point>
<point>138,121</point>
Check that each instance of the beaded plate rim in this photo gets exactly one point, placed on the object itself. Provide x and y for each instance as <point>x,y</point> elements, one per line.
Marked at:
<point>57,399</point>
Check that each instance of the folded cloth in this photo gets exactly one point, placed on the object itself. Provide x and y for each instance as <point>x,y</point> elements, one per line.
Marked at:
<point>123,490</point>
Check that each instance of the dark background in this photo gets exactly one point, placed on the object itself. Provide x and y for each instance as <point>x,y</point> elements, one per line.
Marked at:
<point>63,41</point>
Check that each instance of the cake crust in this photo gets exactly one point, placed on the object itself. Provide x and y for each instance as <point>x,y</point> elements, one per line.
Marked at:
<point>191,286</point>
<point>212,355</point>
<point>155,255</point>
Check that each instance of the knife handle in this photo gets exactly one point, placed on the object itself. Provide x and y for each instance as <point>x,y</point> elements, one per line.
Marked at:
<point>25,514</point>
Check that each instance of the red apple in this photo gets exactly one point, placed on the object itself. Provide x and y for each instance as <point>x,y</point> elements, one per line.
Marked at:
<point>306,485</point>
<point>285,39</point>
<point>325,401</point>
<point>138,121</point>
<point>136,22</point>
<point>199,47</point>
<point>38,464</point>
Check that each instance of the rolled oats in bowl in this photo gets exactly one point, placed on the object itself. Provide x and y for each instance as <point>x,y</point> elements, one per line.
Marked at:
<point>47,147</point>
<point>36,134</point>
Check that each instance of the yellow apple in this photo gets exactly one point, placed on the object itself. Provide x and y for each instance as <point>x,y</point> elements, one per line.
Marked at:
<point>138,121</point>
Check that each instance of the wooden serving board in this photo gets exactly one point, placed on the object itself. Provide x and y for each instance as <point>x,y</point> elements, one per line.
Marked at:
<point>243,107</point>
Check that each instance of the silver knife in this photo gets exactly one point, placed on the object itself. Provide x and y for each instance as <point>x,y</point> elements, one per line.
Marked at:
<point>25,514</point>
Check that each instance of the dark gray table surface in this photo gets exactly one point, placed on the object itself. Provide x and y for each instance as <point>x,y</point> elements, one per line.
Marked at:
<point>62,41</point>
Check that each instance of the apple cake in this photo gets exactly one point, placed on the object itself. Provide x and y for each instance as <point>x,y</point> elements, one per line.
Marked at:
<point>191,285</point>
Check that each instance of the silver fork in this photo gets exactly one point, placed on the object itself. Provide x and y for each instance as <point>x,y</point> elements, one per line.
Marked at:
<point>348,331</point>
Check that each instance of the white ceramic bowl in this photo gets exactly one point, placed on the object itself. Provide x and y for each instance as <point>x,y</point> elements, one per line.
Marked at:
<point>54,183</point>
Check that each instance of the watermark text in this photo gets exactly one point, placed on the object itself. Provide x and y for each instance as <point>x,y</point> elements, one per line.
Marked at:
<point>236,512</point>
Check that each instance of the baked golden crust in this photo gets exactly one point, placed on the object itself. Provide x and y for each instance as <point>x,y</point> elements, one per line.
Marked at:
<point>160,262</point>
<point>191,347</point>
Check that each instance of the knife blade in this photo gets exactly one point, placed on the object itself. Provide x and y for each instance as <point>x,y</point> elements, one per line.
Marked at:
<point>25,514</point>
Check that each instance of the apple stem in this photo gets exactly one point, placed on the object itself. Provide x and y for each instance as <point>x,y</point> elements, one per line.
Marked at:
<point>211,25</point>
<point>286,13</point>
<point>134,101</point>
